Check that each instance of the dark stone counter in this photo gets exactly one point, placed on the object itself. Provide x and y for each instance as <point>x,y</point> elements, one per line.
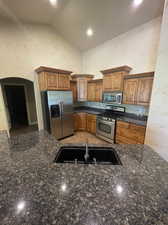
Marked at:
<point>36,191</point>
<point>127,117</point>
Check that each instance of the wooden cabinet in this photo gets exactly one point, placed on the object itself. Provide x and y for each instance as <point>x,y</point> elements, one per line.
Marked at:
<point>53,79</point>
<point>113,79</point>
<point>91,123</point>
<point>63,82</point>
<point>95,88</point>
<point>73,87</point>
<point>80,121</point>
<point>85,122</point>
<point>138,89</point>
<point>130,91</point>
<point>82,85</point>
<point>144,90</point>
<point>128,133</point>
<point>91,91</point>
<point>99,90</point>
<point>107,85</point>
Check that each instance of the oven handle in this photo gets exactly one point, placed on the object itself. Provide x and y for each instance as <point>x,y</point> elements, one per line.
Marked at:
<point>106,122</point>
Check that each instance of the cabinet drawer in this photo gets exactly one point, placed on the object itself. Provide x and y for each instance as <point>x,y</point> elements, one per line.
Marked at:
<point>129,133</point>
<point>137,128</point>
<point>125,140</point>
<point>123,124</point>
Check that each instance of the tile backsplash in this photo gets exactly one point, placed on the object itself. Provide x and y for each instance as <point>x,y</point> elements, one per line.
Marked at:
<point>135,109</point>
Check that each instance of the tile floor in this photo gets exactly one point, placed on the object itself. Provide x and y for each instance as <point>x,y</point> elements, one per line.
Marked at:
<point>83,137</point>
<point>23,129</point>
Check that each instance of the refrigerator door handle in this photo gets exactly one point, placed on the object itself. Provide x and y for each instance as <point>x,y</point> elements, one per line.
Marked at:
<point>60,109</point>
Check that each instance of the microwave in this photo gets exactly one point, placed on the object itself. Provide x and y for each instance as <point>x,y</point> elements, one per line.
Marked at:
<point>112,97</point>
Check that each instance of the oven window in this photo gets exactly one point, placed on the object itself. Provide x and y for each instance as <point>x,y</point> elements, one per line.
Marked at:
<point>104,128</point>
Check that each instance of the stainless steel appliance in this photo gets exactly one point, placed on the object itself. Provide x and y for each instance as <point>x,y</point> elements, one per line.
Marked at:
<point>112,97</point>
<point>58,113</point>
<point>105,125</point>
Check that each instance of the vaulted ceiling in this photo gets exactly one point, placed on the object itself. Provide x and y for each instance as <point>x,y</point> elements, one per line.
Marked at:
<point>71,18</point>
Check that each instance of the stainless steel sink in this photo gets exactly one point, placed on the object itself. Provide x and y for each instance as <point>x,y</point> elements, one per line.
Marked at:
<point>97,155</point>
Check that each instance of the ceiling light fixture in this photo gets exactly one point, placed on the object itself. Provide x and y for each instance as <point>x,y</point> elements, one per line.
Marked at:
<point>89,32</point>
<point>53,2</point>
<point>137,2</point>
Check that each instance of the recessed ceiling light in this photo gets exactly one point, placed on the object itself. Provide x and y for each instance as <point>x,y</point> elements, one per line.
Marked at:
<point>137,2</point>
<point>53,2</point>
<point>89,32</point>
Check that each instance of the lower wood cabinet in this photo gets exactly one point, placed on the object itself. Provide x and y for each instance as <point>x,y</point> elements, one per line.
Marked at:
<point>129,133</point>
<point>80,121</point>
<point>85,122</point>
<point>91,123</point>
<point>126,133</point>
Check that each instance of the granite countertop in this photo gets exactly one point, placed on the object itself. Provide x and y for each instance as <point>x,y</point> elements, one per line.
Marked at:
<point>128,117</point>
<point>90,110</point>
<point>36,191</point>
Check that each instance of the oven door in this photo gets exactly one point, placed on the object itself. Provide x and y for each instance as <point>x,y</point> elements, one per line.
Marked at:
<point>105,128</point>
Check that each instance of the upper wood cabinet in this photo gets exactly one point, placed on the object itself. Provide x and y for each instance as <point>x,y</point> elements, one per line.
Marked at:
<point>113,79</point>
<point>138,89</point>
<point>53,79</point>
<point>73,86</point>
<point>130,91</point>
<point>91,91</point>
<point>95,88</point>
<point>82,82</point>
<point>144,90</point>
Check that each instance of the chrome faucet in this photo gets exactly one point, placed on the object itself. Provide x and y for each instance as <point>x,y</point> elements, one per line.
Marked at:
<point>86,156</point>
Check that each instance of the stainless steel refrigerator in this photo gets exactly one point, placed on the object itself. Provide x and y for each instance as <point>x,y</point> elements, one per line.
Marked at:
<point>58,113</point>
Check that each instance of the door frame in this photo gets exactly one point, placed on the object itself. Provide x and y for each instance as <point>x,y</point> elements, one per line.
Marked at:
<point>26,99</point>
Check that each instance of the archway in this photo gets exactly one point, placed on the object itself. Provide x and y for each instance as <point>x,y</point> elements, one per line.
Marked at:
<point>19,105</point>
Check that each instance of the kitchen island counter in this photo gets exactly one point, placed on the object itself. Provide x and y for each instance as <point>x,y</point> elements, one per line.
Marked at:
<point>36,191</point>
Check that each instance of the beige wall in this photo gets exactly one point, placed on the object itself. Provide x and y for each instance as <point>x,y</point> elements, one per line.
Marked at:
<point>3,118</point>
<point>136,48</point>
<point>24,47</point>
<point>157,129</point>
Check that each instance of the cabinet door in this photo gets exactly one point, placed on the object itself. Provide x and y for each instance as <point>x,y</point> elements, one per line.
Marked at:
<point>73,86</point>
<point>64,82</point>
<point>117,81</point>
<point>52,81</point>
<point>107,84</point>
<point>91,123</point>
<point>80,121</point>
<point>99,92</point>
<point>130,91</point>
<point>144,90</point>
<point>128,133</point>
<point>91,91</point>
<point>82,89</point>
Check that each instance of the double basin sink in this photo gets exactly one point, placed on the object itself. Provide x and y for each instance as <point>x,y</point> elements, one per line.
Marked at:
<point>88,155</point>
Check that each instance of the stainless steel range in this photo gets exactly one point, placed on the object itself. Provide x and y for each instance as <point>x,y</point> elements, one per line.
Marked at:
<point>105,127</point>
